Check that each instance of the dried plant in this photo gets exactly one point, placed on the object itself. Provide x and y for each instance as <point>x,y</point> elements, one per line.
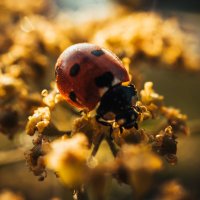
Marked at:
<point>7,194</point>
<point>28,51</point>
<point>72,154</point>
<point>84,157</point>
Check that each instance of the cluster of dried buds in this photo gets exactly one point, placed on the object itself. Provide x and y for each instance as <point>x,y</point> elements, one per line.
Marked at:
<point>24,59</point>
<point>85,154</point>
<point>151,38</point>
<point>27,51</point>
<point>82,155</point>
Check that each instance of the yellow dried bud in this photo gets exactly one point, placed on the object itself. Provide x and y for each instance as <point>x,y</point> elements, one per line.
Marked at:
<point>68,157</point>
<point>38,121</point>
<point>137,158</point>
<point>149,96</point>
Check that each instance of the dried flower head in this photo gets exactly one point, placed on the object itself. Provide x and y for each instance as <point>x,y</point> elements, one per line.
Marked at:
<point>139,158</point>
<point>149,36</point>
<point>11,87</point>
<point>38,121</point>
<point>51,98</point>
<point>136,165</point>
<point>151,101</point>
<point>173,190</point>
<point>16,104</point>
<point>35,157</point>
<point>68,158</point>
<point>165,144</point>
<point>9,195</point>
<point>176,120</point>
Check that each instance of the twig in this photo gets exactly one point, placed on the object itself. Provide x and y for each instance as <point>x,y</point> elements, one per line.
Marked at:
<point>112,146</point>
<point>96,146</point>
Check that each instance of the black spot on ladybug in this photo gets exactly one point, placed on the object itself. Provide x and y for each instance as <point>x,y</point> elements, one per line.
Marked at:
<point>97,52</point>
<point>74,70</point>
<point>105,80</point>
<point>72,96</point>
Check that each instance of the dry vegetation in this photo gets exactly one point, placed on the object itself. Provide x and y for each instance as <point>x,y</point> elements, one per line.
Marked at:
<point>31,39</point>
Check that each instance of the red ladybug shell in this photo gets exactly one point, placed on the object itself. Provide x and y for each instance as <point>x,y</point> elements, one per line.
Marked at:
<point>83,71</point>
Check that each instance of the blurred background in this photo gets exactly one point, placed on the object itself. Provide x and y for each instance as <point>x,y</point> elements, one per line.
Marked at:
<point>33,34</point>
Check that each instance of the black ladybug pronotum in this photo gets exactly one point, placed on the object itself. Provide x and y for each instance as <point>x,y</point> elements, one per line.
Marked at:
<point>90,77</point>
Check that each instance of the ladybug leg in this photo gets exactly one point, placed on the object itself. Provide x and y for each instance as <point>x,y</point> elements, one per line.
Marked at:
<point>98,119</point>
<point>133,86</point>
<point>121,129</point>
<point>97,144</point>
<point>136,126</point>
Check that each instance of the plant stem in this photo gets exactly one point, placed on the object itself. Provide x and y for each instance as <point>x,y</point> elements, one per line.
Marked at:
<point>112,146</point>
<point>98,143</point>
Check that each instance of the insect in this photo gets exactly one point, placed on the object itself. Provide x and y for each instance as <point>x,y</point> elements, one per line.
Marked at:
<point>91,77</point>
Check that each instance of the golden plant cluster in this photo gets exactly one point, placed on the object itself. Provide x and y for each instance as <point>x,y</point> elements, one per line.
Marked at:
<point>32,37</point>
<point>73,155</point>
<point>146,36</point>
<point>28,52</point>
<point>7,194</point>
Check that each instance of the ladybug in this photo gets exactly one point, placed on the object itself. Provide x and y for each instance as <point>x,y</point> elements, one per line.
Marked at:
<point>90,77</point>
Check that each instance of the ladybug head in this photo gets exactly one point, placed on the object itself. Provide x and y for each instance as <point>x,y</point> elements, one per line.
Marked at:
<point>128,119</point>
